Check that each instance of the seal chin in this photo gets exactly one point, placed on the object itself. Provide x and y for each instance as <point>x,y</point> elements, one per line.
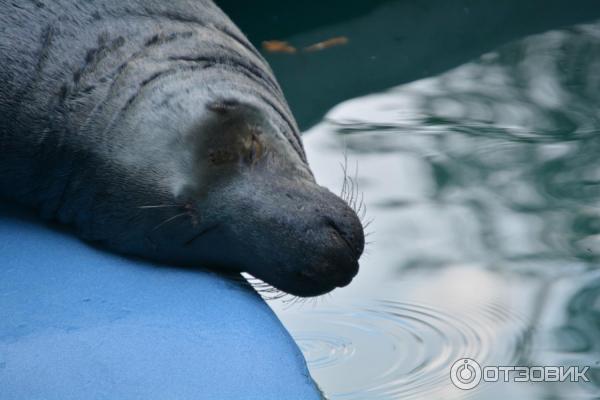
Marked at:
<point>302,285</point>
<point>308,286</point>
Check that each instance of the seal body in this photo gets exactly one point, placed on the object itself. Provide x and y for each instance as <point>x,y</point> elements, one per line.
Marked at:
<point>156,129</point>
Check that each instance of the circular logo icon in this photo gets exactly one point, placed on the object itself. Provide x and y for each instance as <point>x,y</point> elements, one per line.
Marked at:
<point>465,373</point>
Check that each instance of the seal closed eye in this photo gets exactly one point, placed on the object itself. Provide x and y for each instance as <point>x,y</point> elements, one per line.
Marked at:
<point>157,130</point>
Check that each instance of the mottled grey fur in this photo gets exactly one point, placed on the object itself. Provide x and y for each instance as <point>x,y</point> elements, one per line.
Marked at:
<point>156,129</point>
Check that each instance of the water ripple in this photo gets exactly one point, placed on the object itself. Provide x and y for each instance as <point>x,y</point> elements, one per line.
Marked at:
<point>403,350</point>
<point>494,165</point>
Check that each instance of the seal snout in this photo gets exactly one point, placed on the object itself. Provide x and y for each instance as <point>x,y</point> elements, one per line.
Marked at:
<point>336,241</point>
<point>295,235</point>
<point>350,232</point>
<point>345,245</point>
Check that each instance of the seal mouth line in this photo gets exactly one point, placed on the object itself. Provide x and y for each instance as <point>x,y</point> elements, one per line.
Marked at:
<point>201,233</point>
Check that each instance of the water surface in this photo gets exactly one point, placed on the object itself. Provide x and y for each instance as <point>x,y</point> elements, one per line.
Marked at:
<point>483,183</point>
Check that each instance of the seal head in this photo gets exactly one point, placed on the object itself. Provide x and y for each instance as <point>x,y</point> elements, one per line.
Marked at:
<point>245,201</point>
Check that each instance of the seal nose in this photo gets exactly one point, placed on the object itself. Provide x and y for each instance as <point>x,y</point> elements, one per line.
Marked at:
<point>349,229</point>
<point>348,243</point>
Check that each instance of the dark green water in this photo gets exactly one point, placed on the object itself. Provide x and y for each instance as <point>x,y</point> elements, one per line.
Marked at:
<point>475,126</point>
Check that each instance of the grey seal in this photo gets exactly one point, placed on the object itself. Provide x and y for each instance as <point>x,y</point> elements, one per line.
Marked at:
<point>156,129</point>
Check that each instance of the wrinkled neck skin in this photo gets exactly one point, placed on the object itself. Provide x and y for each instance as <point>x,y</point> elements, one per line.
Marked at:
<point>189,155</point>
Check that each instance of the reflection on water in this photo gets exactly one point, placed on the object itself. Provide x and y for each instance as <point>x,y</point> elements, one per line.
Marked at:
<point>484,187</point>
<point>374,336</point>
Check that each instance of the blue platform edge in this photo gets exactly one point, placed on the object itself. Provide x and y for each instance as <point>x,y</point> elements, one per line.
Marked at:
<point>80,323</point>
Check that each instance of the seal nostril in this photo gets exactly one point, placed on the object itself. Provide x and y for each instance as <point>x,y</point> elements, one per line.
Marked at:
<point>339,232</point>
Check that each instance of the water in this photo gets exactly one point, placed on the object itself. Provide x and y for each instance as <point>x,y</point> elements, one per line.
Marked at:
<point>483,183</point>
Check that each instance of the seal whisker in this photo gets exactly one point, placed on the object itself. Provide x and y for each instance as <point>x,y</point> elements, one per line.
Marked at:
<point>344,166</point>
<point>291,301</point>
<point>357,192</point>
<point>367,223</point>
<point>345,184</point>
<point>168,220</point>
<point>266,291</point>
<point>201,233</point>
<point>351,193</point>
<point>158,206</point>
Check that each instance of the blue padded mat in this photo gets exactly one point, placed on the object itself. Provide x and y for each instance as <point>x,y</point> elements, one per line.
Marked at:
<point>80,323</point>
